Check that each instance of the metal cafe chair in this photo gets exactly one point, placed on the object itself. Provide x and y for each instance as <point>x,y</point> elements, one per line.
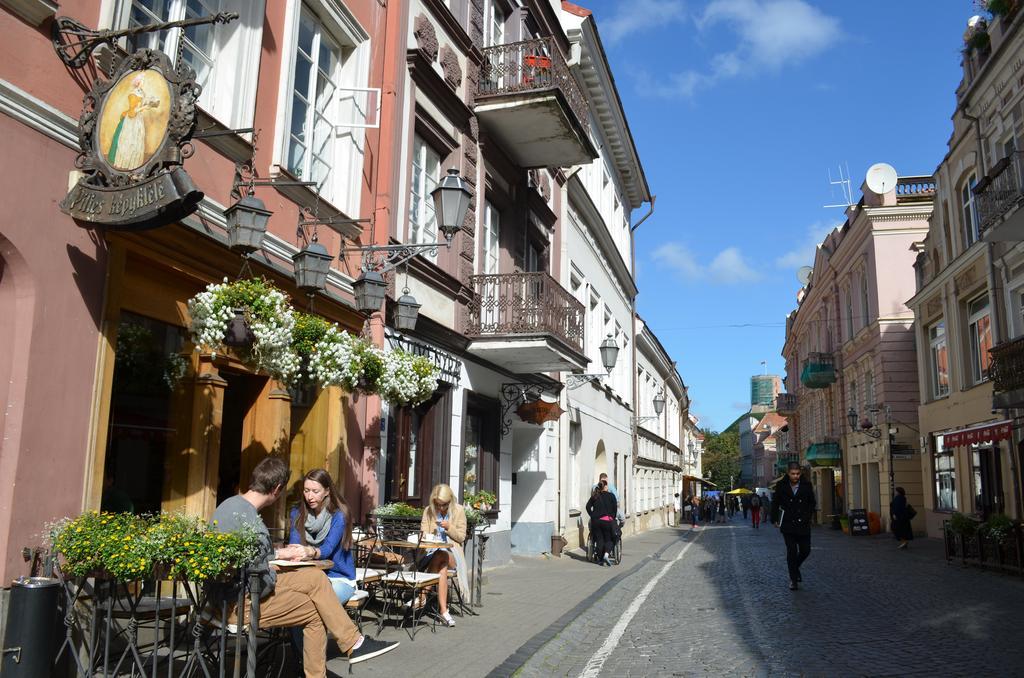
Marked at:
<point>402,584</point>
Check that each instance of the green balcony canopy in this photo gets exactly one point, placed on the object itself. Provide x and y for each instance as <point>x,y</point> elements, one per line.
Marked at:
<point>818,375</point>
<point>824,454</point>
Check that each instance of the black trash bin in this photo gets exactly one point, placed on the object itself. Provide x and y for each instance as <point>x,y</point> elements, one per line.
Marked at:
<point>29,641</point>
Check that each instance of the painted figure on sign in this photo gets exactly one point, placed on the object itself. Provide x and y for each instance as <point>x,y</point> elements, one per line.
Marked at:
<point>128,147</point>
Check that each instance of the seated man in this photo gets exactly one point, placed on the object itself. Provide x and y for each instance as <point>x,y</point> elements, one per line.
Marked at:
<point>302,597</point>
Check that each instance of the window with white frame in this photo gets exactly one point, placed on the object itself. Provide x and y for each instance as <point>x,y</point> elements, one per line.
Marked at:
<point>222,55</point>
<point>939,360</point>
<point>492,231</point>
<point>945,475</point>
<point>494,24</point>
<point>969,211</point>
<point>315,81</point>
<point>854,399</point>
<point>426,172</point>
<point>849,314</point>
<point>869,389</point>
<point>979,330</point>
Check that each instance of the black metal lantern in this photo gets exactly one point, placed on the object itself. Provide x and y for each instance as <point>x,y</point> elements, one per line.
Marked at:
<point>659,404</point>
<point>369,289</point>
<point>407,311</point>
<point>311,265</point>
<point>247,224</point>
<point>451,202</point>
<point>851,416</point>
<point>609,352</point>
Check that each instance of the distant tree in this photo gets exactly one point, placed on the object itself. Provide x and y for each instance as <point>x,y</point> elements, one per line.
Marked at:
<point>721,458</point>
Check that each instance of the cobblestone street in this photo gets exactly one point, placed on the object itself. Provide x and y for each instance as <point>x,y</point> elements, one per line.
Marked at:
<point>724,608</point>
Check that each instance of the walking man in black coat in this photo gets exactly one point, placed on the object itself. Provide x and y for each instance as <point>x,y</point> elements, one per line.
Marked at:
<point>793,508</point>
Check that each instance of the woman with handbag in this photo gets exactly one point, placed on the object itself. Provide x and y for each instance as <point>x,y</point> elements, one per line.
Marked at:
<point>901,513</point>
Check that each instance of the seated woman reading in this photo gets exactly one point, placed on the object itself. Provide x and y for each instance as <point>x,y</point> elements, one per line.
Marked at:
<point>321,524</point>
<point>444,518</point>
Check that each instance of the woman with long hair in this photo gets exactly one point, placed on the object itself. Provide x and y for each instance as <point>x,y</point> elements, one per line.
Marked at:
<point>322,524</point>
<point>445,518</point>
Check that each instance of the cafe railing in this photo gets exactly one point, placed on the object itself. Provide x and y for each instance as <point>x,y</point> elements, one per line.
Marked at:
<point>165,626</point>
<point>982,550</point>
<point>1007,370</point>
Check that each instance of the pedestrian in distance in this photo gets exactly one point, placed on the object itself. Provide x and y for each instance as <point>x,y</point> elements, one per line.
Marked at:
<point>694,512</point>
<point>755,511</point>
<point>721,510</point>
<point>793,506</point>
<point>766,506</point>
<point>900,514</point>
<point>745,503</point>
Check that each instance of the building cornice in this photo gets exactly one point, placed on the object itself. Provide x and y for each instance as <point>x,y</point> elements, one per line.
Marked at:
<point>965,260</point>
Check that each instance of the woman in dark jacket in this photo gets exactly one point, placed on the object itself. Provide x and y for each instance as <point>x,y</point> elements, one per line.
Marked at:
<point>793,509</point>
<point>602,509</point>
<point>900,516</point>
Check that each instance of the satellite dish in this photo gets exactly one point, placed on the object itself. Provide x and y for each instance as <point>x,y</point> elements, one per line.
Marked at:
<point>881,178</point>
<point>975,20</point>
<point>804,274</point>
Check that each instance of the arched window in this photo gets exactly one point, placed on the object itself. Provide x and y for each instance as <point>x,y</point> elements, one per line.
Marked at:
<point>969,211</point>
<point>865,302</point>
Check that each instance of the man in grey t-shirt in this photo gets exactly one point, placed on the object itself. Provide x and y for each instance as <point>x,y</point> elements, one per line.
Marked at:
<point>302,596</point>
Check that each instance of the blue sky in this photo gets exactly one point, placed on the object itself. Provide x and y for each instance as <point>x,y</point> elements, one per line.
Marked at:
<point>739,109</point>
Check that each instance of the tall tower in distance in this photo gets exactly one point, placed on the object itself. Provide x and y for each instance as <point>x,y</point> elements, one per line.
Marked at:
<point>763,389</point>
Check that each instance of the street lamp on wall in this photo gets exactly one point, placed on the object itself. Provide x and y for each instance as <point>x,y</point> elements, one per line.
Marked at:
<point>451,203</point>
<point>659,407</point>
<point>609,351</point>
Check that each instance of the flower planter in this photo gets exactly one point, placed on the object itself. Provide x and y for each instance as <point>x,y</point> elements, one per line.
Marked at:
<point>537,61</point>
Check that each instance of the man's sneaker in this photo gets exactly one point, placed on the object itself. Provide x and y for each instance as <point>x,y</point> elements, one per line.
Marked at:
<point>370,648</point>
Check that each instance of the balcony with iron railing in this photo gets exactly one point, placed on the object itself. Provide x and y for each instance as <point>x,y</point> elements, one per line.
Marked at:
<point>824,453</point>
<point>999,197</point>
<point>530,101</point>
<point>1007,373</point>
<point>786,403</point>
<point>819,371</point>
<point>525,322</point>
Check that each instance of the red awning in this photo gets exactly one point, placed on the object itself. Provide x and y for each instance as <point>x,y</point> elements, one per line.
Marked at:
<point>985,433</point>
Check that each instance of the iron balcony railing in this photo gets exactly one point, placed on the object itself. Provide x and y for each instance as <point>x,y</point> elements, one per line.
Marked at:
<point>1007,367</point>
<point>786,403</point>
<point>531,66</point>
<point>1000,192</point>
<point>523,304</point>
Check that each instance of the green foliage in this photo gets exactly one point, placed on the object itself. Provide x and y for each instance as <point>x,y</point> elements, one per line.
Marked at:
<point>997,528</point>
<point>721,458</point>
<point>398,509</point>
<point>963,525</point>
<point>308,331</point>
<point>130,547</point>
<point>1001,7</point>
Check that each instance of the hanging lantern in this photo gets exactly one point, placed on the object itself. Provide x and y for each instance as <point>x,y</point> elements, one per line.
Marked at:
<point>311,265</point>
<point>451,202</point>
<point>247,224</point>
<point>659,404</point>
<point>406,311</point>
<point>609,352</point>
<point>369,289</point>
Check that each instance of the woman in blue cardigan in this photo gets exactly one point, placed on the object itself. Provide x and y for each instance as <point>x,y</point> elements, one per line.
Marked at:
<point>321,523</point>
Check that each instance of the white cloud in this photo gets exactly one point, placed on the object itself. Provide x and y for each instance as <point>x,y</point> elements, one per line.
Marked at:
<point>727,267</point>
<point>771,34</point>
<point>803,255</point>
<point>638,15</point>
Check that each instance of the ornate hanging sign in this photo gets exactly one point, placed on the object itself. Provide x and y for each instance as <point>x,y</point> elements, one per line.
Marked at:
<point>134,133</point>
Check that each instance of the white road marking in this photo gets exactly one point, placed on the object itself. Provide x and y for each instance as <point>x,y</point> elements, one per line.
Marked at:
<point>593,667</point>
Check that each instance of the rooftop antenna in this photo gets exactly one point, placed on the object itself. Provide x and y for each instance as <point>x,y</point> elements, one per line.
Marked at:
<point>844,184</point>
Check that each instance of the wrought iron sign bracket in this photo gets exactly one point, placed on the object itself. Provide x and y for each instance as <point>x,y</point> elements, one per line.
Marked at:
<point>513,393</point>
<point>574,381</point>
<point>74,42</point>
<point>639,420</point>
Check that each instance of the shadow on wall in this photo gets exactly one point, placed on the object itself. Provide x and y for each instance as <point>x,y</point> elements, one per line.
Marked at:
<point>84,267</point>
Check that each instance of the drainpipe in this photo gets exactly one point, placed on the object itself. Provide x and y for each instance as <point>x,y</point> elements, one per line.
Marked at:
<point>632,271</point>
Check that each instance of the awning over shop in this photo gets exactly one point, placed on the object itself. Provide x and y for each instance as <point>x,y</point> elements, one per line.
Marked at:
<point>983,433</point>
<point>705,483</point>
<point>824,454</point>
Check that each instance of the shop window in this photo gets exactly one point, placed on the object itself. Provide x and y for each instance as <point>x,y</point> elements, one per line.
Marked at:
<point>979,330</point>
<point>945,476</point>
<point>219,53</point>
<point>939,360</point>
<point>481,445</point>
<point>144,408</point>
